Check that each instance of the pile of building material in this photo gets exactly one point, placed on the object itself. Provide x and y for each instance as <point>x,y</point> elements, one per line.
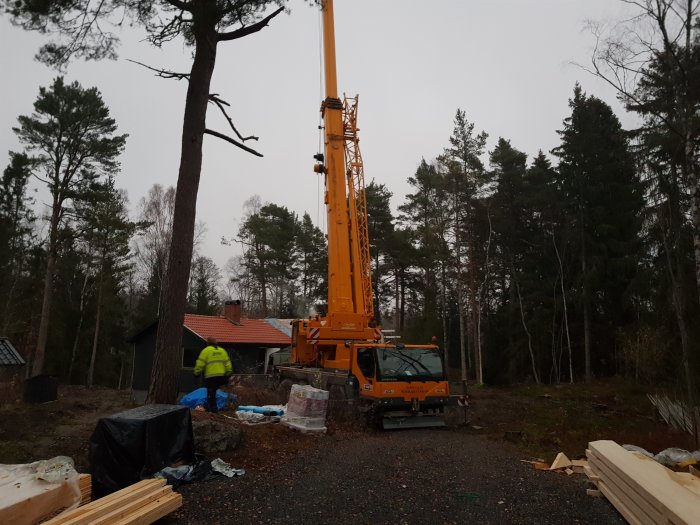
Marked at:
<point>35,491</point>
<point>560,464</point>
<point>306,409</point>
<point>141,503</point>
<point>641,489</point>
<point>679,415</point>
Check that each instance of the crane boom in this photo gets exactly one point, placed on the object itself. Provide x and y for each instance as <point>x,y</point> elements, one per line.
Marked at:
<point>340,289</point>
<point>343,350</point>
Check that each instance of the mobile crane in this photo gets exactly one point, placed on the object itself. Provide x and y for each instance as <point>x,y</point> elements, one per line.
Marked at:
<point>344,351</point>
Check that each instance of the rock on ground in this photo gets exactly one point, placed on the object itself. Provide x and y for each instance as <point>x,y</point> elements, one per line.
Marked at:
<point>212,437</point>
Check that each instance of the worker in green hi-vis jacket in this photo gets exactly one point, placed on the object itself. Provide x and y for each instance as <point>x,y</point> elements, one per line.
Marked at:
<point>216,365</point>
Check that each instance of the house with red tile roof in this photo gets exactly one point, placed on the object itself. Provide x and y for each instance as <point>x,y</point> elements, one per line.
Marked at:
<point>249,342</point>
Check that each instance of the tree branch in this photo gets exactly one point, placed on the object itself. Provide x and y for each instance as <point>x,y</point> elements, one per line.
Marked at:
<point>232,141</point>
<point>221,103</point>
<point>247,30</point>
<point>183,6</point>
<point>163,73</point>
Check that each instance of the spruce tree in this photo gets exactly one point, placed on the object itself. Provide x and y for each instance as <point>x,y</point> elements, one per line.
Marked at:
<point>603,199</point>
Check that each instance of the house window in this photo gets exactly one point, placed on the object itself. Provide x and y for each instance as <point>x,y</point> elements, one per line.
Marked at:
<point>189,357</point>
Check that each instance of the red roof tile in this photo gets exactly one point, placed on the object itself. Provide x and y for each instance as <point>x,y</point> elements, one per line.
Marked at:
<point>251,331</point>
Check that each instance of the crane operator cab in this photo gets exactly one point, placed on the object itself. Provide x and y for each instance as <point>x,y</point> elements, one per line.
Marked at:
<point>406,385</point>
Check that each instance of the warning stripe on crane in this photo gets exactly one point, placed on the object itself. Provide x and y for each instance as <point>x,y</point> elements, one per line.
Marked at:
<point>313,335</point>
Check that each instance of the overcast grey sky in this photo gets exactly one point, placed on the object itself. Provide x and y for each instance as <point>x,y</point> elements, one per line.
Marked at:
<point>507,63</point>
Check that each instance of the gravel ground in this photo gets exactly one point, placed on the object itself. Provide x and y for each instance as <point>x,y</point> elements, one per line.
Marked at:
<point>414,476</point>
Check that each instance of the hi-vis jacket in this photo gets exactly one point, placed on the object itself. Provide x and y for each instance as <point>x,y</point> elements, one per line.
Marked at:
<point>214,361</point>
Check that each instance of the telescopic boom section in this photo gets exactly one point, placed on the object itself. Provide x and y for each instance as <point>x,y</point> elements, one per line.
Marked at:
<point>340,289</point>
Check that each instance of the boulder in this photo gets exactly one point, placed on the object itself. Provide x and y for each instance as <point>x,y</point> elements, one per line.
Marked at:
<point>213,437</point>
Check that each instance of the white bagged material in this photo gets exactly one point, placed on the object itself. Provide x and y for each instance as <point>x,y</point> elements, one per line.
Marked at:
<point>32,492</point>
<point>306,409</point>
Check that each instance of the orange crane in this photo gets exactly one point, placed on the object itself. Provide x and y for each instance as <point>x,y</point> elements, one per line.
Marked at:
<point>344,351</point>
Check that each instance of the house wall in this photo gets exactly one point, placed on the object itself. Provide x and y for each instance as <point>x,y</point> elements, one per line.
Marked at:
<point>246,359</point>
<point>145,346</point>
<point>11,384</point>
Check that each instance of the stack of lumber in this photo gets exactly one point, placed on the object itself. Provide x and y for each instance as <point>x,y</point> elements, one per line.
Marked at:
<point>139,504</point>
<point>85,484</point>
<point>641,489</point>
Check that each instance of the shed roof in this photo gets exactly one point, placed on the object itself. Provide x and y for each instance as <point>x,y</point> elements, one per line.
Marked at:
<point>8,355</point>
<point>249,331</point>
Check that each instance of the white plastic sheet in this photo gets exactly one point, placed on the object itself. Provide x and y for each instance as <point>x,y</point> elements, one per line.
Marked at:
<point>34,491</point>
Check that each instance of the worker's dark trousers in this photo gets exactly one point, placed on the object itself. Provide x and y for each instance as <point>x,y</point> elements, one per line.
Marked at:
<point>212,384</point>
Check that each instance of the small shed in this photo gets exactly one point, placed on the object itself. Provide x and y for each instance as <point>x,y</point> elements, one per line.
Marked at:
<point>12,370</point>
<point>249,343</point>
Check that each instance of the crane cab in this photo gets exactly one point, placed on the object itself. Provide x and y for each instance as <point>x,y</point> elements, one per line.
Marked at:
<point>404,384</point>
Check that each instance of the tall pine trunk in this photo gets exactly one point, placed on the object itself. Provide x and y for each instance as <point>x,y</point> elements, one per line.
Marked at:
<point>566,313</point>
<point>443,300</point>
<point>76,340</point>
<point>40,351</point>
<point>98,318</point>
<point>166,361</point>
<point>527,332</point>
<point>679,297</point>
<point>397,303</point>
<point>586,310</point>
<point>462,333</point>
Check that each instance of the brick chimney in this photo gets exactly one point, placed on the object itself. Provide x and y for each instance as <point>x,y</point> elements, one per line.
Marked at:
<point>232,311</point>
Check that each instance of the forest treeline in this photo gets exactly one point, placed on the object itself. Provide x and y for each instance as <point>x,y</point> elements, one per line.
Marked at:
<point>556,266</point>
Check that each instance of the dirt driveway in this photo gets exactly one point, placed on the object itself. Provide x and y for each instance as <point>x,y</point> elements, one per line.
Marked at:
<point>413,476</point>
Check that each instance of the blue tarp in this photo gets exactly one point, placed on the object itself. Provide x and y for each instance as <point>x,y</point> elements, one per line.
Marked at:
<point>199,397</point>
<point>262,410</point>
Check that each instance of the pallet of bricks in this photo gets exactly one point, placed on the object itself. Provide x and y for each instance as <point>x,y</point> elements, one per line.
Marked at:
<point>641,489</point>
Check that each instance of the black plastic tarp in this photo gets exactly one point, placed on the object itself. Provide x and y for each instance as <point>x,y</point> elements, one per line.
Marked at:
<point>135,444</point>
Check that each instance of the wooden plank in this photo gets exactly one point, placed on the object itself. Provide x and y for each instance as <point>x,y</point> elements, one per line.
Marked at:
<point>589,472</point>
<point>594,492</point>
<point>133,507</point>
<point>561,461</point>
<point>85,484</point>
<point>154,511</point>
<point>117,498</point>
<point>638,506</point>
<point>577,465</point>
<point>688,480</point>
<point>651,481</point>
<point>621,507</point>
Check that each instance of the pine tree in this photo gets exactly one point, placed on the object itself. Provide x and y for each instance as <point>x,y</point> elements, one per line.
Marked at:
<point>380,225</point>
<point>107,230</point>
<point>71,141</point>
<point>16,222</point>
<point>312,265</point>
<point>205,282</point>
<point>269,237</point>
